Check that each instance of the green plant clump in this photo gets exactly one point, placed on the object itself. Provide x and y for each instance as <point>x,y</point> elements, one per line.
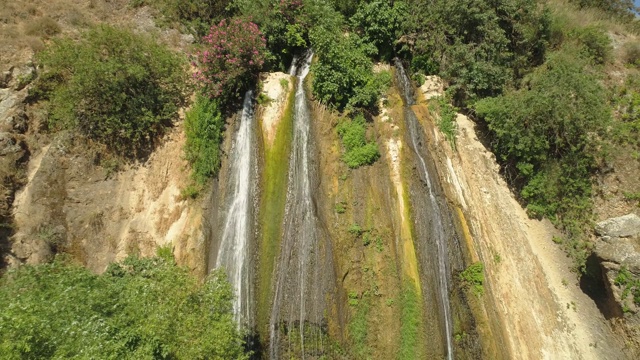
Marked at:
<point>138,309</point>
<point>447,120</point>
<point>630,285</point>
<point>358,151</point>
<point>204,128</point>
<point>113,86</point>
<point>473,277</point>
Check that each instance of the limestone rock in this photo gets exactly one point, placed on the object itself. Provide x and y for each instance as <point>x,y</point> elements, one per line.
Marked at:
<point>433,87</point>
<point>623,226</point>
<point>618,249</point>
<point>9,145</point>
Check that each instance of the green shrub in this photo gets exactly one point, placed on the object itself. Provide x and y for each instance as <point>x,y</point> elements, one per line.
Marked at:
<point>447,120</point>
<point>358,151</point>
<point>473,277</point>
<point>113,86</point>
<point>138,309</point>
<point>632,53</point>
<point>343,75</point>
<point>377,23</point>
<point>596,43</point>
<point>546,135</point>
<point>546,132</point>
<point>479,47</point>
<point>627,104</point>
<point>204,128</point>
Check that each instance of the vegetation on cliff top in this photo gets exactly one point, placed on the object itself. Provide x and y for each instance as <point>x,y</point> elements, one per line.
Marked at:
<point>113,86</point>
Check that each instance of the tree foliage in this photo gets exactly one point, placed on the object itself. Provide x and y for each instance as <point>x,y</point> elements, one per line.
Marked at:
<point>479,46</point>
<point>138,309</point>
<point>229,62</point>
<point>378,23</point>
<point>358,151</point>
<point>547,133</point>
<point>113,86</point>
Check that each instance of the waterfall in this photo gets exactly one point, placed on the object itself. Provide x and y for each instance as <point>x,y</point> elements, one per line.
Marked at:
<point>437,229</point>
<point>233,254</point>
<point>298,294</point>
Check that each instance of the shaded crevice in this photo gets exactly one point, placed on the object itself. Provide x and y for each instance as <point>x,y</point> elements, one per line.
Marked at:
<point>593,282</point>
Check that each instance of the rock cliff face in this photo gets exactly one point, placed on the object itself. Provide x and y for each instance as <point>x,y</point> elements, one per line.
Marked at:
<point>618,253</point>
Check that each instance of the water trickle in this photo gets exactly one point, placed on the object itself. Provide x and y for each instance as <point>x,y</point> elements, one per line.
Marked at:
<point>233,254</point>
<point>437,229</point>
<point>298,295</point>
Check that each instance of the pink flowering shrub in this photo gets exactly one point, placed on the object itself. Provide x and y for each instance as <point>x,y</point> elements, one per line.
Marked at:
<point>233,54</point>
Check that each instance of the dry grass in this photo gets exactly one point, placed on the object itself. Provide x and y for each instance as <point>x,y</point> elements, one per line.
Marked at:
<point>27,25</point>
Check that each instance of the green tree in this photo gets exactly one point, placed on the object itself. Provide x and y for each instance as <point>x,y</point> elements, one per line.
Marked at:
<point>113,86</point>
<point>138,309</point>
<point>479,46</point>
<point>547,135</point>
<point>378,23</point>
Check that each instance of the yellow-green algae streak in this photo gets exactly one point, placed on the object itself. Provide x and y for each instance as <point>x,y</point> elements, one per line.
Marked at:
<point>272,207</point>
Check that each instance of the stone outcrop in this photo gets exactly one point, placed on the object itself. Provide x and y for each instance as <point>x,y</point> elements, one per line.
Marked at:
<point>618,252</point>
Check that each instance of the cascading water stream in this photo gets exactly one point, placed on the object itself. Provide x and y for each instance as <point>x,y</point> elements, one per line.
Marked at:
<point>233,254</point>
<point>437,230</point>
<point>298,291</point>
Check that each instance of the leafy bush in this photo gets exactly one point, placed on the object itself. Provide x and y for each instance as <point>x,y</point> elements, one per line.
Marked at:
<point>447,120</point>
<point>285,25</point>
<point>343,74</point>
<point>596,42</point>
<point>203,126</point>
<point>113,86</point>
<point>233,54</point>
<point>546,135</point>
<point>632,53</point>
<point>138,309</point>
<point>627,104</point>
<point>358,151</point>
<point>473,277</point>
<point>377,23</point>
<point>478,46</point>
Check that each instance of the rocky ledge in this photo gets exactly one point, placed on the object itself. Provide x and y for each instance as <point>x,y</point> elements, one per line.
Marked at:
<point>618,252</point>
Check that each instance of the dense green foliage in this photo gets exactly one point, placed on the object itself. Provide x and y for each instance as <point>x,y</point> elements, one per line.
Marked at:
<point>626,102</point>
<point>113,86</point>
<point>231,56</point>
<point>546,134</point>
<point>378,23</point>
<point>203,127</point>
<point>358,151</point>
<point>473,278</point>
<point>479,46</point>
<point>138,309</point>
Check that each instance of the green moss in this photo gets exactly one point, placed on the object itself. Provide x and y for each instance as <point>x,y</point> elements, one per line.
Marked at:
<point>274,185</point>
<point>411,346</point>
<point>359,328</point>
